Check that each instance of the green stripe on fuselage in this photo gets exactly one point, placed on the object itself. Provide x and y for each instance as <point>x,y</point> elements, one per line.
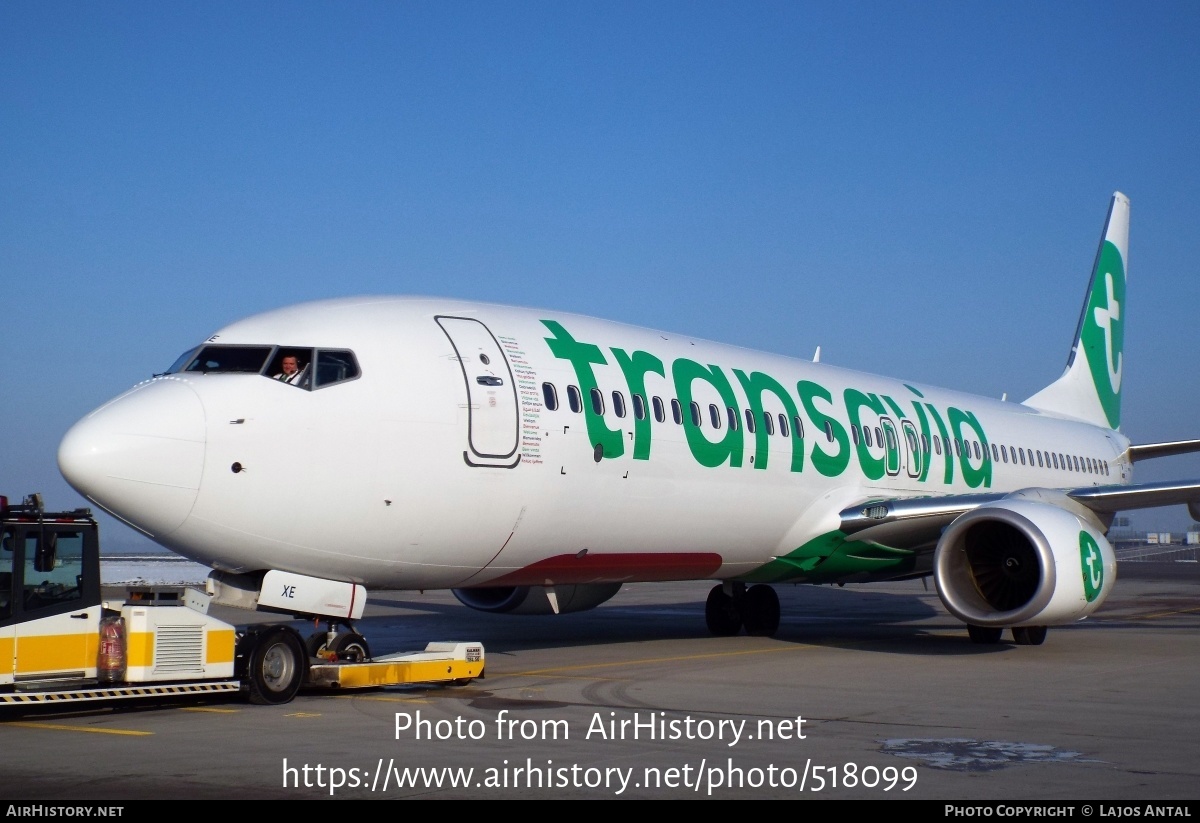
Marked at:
<point>830,558</point>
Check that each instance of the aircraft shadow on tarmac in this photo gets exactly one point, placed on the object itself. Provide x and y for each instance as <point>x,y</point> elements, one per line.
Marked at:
<point>859,618</point>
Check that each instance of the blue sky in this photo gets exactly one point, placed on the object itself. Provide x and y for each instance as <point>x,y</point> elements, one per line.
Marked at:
<point>918,188</point>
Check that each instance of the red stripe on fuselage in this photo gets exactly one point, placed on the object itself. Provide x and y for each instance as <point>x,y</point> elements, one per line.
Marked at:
<point>613,568</point>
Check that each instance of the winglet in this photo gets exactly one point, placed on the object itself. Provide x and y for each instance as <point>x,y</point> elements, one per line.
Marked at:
<point>1090,388</point>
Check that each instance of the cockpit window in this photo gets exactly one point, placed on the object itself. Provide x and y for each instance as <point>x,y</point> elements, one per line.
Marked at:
<point>304,368</point>
<point>292,366</point>
<point>334,366</point>
<point>181,362</point>
<point>224,359</point>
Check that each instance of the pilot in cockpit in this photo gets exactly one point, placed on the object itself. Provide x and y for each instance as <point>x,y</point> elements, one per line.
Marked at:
<point>291,372</point>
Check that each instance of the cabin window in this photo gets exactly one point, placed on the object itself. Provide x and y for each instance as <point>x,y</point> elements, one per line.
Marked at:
<point>879,437</point>
<point>891,439</point>
<point>769,422</point>
<point>618,404</point>
<point>798,426</point>
<point>925,444</point>
<point>732,414</point>
<point>714,414</point>
<point>829,430</point>
<point>957,447</point>
<point>597,401</point>
<point>1039,456</point>
<point>937,444</point>
<point>639,407</point>
<point>995,453</point>
<point>676,412</point>
<point>659,413</point>
<point>783,425</point>
<point>1021,452</point>
<point>574,400</point>
<point>854,435</point>
<point>866,433</point>
<point>695,409</point>
<point>550,396</point>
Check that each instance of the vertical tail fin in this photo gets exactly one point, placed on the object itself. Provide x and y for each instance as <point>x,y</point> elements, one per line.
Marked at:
<point>1090,388</point>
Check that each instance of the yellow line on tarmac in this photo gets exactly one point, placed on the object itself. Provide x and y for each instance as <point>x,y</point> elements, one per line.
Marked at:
<point>210,709</point>
<point>384,698</point>
<point>60,728</point>
<point>1164,614</point>
<point>588,678</point>
<point>645,661</point>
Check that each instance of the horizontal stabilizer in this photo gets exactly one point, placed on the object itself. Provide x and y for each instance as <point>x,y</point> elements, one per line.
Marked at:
<point>1150,450</point>
<point>1113,499</point>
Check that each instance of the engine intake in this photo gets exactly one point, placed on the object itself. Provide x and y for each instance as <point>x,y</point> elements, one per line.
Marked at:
<point>1022,562</point>
<point>536,599</point>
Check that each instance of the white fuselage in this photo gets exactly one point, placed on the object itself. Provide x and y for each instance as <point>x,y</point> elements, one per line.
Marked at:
<point>433,468</point>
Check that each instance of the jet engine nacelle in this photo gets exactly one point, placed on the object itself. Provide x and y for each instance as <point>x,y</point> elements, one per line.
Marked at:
<point>537,599</point>
<point>1021,562</point>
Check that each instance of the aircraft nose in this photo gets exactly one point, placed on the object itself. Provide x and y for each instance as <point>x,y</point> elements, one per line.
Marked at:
<point>141,455</point>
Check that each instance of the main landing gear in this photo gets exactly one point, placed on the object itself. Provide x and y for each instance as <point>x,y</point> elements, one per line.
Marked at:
<point>732,606</point>
<point>1022,635</point>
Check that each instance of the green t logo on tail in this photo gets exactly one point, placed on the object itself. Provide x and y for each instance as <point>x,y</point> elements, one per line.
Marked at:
<point>1092,563</point>
<point>1103,332</point>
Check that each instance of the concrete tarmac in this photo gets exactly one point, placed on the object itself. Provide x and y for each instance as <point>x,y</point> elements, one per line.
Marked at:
<point>867,691</point>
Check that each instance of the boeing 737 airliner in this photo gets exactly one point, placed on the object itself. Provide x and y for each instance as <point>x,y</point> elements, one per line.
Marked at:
<point>533,461</point>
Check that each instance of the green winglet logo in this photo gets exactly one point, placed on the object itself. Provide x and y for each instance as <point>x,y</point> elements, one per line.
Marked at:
<point>1103,333</point>
<point>1092,563</point>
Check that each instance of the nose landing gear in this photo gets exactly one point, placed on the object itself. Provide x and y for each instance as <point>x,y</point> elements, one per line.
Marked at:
<point>333,645</point>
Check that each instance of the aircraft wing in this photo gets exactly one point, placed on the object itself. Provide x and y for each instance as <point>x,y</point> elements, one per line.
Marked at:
<point>917,522</point>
